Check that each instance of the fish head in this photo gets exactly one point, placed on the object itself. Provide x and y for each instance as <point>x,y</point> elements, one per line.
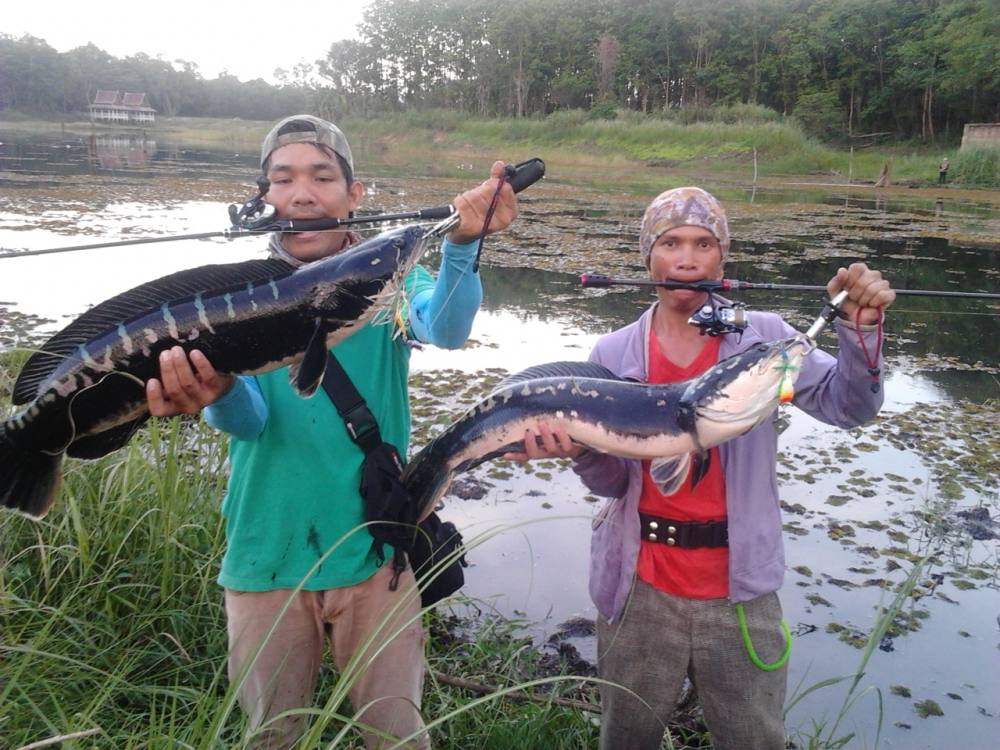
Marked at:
<point>386,256</point>
<point>741,391</point>
<point>367,277</point>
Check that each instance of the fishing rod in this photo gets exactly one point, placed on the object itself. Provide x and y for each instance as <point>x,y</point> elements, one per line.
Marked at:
<point>248,219</point>
<point>713,286</point>
<point>718,316</point>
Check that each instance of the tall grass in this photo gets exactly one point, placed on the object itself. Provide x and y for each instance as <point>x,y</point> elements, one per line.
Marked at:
<point>713,141</point>
<point>978,167</point>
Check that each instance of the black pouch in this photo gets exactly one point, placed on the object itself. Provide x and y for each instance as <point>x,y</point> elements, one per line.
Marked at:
<point>437,558</point>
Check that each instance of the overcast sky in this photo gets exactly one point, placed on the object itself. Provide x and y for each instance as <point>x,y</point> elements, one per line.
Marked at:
<point>247,38</point>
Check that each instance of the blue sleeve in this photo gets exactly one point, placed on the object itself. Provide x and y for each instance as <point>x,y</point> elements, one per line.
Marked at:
<point>442,314</point>
<point>240,411</point>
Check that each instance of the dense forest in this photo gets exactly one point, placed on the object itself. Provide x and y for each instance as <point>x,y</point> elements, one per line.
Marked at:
<point>915,68</point>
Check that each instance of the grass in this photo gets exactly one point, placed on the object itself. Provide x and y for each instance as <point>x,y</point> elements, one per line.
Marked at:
<point>710,142</point>
<point>977,167</point>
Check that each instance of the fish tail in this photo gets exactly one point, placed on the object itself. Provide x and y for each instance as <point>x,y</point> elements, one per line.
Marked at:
<point>29,479</point>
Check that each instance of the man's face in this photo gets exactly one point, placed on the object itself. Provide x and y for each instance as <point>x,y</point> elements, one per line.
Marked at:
<point>307,183</point>
<point>686,253</point>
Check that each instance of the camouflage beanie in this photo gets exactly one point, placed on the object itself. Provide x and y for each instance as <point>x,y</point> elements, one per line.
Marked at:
<point>683,206</point>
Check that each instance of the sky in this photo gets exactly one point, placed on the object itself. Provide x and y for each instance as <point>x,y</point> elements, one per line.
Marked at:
<point>244,38</point>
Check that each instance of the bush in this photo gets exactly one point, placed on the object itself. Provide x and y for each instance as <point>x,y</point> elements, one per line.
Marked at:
<point>603,111</point>
<point>977,166</point>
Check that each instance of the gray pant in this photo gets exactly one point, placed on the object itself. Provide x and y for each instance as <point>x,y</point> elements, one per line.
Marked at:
<point>661,638</point>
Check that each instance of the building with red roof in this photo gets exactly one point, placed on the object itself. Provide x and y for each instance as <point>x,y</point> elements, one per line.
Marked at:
<point>121,108</point>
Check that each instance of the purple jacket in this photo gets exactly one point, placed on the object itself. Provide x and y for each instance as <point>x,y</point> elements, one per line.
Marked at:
<point>835,391</point>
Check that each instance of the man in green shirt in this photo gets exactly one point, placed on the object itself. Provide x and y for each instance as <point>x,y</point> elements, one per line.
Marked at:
<point>293,508</point>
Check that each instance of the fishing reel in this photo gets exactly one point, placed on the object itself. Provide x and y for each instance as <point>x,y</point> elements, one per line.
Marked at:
<point>251,214</point>
<point>718,317</point>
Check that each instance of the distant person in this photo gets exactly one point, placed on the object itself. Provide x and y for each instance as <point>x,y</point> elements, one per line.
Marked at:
<point>943,171</point>
<point>293,495</point>
<point>686,584</point>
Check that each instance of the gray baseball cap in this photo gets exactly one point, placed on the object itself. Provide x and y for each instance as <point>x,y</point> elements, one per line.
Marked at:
<point>306,129</point>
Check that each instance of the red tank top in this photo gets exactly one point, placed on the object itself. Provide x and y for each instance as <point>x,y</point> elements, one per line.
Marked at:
<point>701,572</point>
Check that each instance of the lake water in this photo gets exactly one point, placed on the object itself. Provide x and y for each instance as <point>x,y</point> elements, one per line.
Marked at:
<point>860,506</point>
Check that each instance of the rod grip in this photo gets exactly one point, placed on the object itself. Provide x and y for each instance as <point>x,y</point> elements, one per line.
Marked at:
<point>525,174</point>
<point>436,214</point>
<point>595,280</point>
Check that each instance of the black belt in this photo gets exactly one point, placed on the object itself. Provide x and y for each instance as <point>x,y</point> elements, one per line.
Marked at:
<point>686,534</point>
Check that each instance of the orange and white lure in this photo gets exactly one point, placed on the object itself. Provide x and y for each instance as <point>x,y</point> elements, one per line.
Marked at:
<point>786,386</point>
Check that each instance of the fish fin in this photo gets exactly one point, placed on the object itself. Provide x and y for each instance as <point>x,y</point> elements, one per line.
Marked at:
<point>178,287</point>
<point>306,374</point>
<point>29,480</point>
<point>561,370</point>
<point>669,473</point>
<point>103,443</point>
<point>702,463</point>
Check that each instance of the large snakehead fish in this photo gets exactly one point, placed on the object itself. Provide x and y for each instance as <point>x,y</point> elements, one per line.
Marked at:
<point>674,424</point>
<point>83,393</point>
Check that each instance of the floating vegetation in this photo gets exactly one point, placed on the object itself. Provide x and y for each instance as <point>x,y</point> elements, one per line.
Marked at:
<point>927,708</point>
<point>900,690</point>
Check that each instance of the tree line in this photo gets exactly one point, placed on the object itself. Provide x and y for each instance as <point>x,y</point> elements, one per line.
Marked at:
<point>36,79</point>
<point>844,68</point>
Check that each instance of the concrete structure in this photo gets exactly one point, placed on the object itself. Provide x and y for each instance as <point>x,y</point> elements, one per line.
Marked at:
<point>981,135</point>
<point>124,109</point>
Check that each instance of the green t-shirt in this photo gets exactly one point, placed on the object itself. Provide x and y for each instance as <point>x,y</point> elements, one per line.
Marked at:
<point>293,491</point>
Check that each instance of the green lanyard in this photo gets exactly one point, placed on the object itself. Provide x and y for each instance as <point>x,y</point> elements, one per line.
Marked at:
<point>742,619</point>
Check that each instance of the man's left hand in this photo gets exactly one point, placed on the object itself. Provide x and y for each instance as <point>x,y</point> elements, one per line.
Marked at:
<point>472,206</point>
<point>867,291</point>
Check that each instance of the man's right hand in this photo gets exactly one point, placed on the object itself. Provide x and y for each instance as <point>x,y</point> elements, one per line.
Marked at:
<point>187,384</point>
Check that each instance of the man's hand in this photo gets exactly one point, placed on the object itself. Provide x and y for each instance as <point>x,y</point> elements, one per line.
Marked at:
<point>472,206</point>
<point>866,289</point>
<point>183,389</point>
<point>546,443</point>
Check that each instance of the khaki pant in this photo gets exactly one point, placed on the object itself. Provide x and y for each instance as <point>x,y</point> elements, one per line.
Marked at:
<point>284,674</point>
<point>660,639</point>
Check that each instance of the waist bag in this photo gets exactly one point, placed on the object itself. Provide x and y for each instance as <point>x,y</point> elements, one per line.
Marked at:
<point>433,547</point>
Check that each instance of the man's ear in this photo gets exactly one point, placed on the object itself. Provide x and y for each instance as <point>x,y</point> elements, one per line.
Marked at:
<point>356,192</point>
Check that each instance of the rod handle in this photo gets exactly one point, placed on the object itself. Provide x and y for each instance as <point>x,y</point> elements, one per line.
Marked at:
<point>525,174</point>
<point>595,280</point>
<point>435,214</point>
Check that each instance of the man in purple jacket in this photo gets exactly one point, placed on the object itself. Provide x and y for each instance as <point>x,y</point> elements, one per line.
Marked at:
<point>685,584</point>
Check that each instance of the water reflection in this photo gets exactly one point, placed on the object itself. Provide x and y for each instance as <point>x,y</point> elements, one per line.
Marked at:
<point>139,153</point>
<point>120,152</point>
